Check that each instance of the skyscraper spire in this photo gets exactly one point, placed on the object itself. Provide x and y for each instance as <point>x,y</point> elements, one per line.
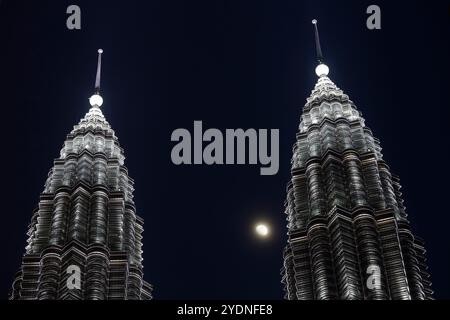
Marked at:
<point>318,47</point>
<point>322,69</point>
<point>99,72</point>
<point>96,100</point>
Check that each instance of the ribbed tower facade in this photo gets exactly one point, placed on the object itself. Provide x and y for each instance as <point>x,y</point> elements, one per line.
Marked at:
<point>85,238</point>
<point>348,233</point>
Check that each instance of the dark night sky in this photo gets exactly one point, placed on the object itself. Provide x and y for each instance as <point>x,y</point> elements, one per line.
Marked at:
<point>231,64</point>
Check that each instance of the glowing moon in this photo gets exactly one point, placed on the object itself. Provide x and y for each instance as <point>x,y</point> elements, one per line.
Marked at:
<point>262,230</point>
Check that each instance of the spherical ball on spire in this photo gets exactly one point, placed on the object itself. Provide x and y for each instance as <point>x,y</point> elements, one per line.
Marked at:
<point>314,21</point>
<point>100,50</point>
<point>322,70</point>
<point>96,100</point>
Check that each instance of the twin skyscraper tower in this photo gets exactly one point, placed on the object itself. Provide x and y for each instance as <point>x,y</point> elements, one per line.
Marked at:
<point>348,233</point>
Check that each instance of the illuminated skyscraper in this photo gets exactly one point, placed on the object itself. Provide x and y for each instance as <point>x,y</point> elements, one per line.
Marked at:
<point>85,239</point>
<point>349,236</point>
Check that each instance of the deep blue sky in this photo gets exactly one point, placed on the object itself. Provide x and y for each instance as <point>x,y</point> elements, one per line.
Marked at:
<point>231,64</point>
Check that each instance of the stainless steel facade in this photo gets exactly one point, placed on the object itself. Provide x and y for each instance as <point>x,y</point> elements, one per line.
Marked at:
<point>86,218</point>
<point>345,211</point>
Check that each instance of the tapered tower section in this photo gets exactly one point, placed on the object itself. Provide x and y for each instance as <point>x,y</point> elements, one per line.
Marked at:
<point>85,238</point>
<point>348,232</point>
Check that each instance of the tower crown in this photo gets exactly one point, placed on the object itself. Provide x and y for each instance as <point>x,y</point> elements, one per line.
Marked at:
<point>86,219</point>
<point>345,214</point>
